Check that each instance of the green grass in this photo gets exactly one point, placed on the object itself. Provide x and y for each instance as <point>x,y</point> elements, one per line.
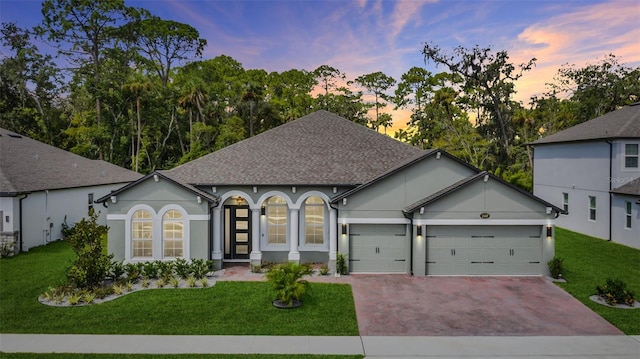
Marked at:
<point>172,356</point>
<point>588,262</point>
<point>227,308</point>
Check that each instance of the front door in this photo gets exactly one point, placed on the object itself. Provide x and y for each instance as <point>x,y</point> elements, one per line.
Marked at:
<point>237,232</point>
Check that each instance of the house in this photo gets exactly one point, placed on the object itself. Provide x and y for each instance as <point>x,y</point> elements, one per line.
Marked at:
<point>591,170</point>
<point>42,187</point>
<point>322,185</point>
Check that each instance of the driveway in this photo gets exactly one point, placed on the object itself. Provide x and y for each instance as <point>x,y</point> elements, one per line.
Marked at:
<point>399,304</point>
<point>470,306</point>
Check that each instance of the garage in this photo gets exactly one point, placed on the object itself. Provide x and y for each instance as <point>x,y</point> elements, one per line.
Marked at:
<point>484,250</point>
<point>380,248</point>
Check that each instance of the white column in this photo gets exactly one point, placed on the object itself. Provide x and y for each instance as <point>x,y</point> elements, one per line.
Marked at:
<point>294,255</point>
<point>333,234</point>
<point>256,255</point>
<point>216,255</point>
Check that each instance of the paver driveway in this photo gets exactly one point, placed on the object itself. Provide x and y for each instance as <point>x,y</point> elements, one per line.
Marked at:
<point>399,304</point>
<point>469,306</point>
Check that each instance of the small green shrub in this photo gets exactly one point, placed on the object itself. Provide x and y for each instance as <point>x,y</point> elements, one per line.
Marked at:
<point>615,291</point>
<point>191,281</point>
<point>556,267</point>
<point>324,269</point>
<point>200,267</point>
<point>182,267</point>
<point>91,265</point>
<point>204,282</point>
<point>174,282</point>
<point>256,268</point>
<point>165,269</point>
<point>74,298</point>
<point>287,281</point>
<point>132,271</point>
<point>116,270</point>
<point>161,282</point>
<point>341,264</point>
<point>150,269</point>
<point>89,297</point>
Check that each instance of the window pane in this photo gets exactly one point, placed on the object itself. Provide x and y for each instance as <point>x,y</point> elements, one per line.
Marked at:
<point>242,212</point>
<point>631,162</point>
<point>631,149</point>
<point>142,248</point>
<point>173,214</point>
<point>592,202</point>
<point>628,205</point>
<point>142,214</point>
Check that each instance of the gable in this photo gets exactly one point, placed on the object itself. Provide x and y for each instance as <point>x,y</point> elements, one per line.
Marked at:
<point>497,199</point>
<point>406,185</point>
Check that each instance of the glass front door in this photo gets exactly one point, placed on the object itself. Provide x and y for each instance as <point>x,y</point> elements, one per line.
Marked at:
<point>237,232</point>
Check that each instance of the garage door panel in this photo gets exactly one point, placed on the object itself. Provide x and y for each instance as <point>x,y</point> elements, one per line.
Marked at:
<point>378,247</point>
<point>484,250</point>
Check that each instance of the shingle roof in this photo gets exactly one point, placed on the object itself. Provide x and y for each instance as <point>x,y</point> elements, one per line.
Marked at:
<point>27,165</point>
<point>631,188</point>
<point>622,123</point>
<point>318,149</point>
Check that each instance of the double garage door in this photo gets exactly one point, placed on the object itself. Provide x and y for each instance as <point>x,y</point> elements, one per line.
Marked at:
<point>381,248</point>
<point>484,250</point>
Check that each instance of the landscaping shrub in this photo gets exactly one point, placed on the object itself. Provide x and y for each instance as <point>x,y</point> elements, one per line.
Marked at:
<point>615,291</point>
<point>287,281</point>
<point>91,265</point>
<point>556,267</point>
<point>341,264</point>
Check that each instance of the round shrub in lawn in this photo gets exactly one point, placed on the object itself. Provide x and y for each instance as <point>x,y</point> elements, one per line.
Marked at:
<point>287,281</point>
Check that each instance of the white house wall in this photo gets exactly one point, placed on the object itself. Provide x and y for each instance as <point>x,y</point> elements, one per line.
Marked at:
<point>580,169</point>
<point>620,175</point>
<point>9,206</point>
<point>44,212</point>
<point>620,234</point>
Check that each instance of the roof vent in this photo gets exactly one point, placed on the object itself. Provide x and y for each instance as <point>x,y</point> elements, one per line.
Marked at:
<point>36,156</point>
<point>75,165</point>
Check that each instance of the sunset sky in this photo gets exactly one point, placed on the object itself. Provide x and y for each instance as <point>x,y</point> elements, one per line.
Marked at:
<point>360,37</point>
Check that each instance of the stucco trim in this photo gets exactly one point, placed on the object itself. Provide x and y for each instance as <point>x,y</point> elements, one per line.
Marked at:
<point>343,220</point>
<point>484,222</point>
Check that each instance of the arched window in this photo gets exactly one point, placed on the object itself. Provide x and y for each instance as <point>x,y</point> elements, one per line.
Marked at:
<point>314,220</point>
<point>173,234</point>
<point>142,234</point>
<point>276,208</point>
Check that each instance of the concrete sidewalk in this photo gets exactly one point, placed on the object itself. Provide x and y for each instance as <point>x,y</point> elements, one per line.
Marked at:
<point>627,347</point>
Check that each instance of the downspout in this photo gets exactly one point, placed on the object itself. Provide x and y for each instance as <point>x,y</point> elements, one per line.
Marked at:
<point>20,224</point>
<point>610,182</point>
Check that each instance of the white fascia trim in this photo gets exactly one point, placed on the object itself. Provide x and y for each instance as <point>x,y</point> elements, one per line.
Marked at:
<point>117,217</point>
<point>342,220</point>
<point>484,222</point>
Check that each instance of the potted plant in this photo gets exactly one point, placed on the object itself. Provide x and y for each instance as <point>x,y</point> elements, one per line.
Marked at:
<point>287,281</point>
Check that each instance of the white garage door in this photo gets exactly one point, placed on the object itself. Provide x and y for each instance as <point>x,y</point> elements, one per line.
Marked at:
<point>378,248</point>
<point>484,250</point>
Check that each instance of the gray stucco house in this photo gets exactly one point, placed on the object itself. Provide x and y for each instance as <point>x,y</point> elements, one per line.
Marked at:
<point>592,171</point>
<point>322,185</point>
<point>41,186</point>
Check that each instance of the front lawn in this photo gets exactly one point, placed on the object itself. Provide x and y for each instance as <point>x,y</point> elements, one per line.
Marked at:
<point>589,262</point>
<point>227,308</point>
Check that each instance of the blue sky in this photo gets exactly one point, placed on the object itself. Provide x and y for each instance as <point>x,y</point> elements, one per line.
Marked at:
<point>363,36</point>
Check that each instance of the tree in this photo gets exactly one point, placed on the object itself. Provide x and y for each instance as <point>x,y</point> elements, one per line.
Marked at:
<point>413,89</point>
<point>488,86</point>
<point>162,43</point>
<point>29,88</point>
<point>377,83</point>
<point>83,30</point>
<point>598,88</point>
<point>137,87</point>
<point>328,78</point>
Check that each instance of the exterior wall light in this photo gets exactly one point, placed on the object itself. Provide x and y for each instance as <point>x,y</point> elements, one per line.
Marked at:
<point>156,178</point>
<point>263,211</point>
<point>344,229</point>
<point>549,232</point>
<point>419,231</point>
<point>113,199</point>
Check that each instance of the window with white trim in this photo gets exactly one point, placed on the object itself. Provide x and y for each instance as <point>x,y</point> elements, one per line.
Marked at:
<point>142,234</point>
<point>592,208</point>
<point>173,234</point>
<point>314,220</point>
<point>628,211</point>
<point>276,208</point>
<point>631,155</point>
<point>565,201</point>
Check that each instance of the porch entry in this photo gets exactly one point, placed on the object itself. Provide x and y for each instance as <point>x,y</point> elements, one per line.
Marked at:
<point>237,232</point>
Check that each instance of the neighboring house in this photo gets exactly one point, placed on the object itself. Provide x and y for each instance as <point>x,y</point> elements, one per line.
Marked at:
<point>322,185</point>
<point>41,186</point>
<point>591,170</point>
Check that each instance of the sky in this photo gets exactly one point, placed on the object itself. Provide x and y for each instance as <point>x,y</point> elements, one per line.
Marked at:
<point>364,36</point>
